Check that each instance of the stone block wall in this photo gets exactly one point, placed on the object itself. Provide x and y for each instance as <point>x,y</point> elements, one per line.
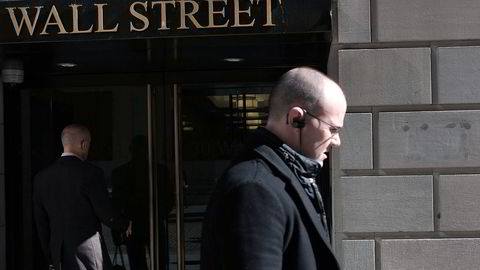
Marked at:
<point>406,180</point>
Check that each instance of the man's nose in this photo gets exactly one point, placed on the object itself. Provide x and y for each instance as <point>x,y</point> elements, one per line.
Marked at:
<point>336,141</point>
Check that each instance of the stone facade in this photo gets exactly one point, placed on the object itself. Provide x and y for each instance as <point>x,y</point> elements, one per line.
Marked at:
<point>359,254</point>
<point>406,183</point>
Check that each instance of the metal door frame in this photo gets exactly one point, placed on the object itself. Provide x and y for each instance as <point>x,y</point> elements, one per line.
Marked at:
<point>179,183</point>
<point>154,199</point>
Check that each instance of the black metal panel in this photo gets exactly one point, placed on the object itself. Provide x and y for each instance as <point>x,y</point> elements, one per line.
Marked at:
<point>175,54</point>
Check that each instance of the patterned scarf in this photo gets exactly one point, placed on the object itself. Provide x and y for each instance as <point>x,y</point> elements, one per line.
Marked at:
<point>306,170</point>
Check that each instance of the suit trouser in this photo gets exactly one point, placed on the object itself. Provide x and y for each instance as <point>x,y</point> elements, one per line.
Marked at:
<point>91,254</point>
<point>136,250</point>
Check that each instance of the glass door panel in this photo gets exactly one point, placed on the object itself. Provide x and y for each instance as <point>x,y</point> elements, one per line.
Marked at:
<point>164,199</point>
<point>118,118</point>
<point>215,122</point>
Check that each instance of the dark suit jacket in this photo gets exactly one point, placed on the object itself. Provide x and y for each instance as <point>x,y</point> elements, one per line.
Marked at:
<point>260,218</point>
<point>70,203</point>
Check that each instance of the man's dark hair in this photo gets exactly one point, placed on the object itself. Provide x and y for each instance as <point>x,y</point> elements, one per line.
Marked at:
<point>297,87</point>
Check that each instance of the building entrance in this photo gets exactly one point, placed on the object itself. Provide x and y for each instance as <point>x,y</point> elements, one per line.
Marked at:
<point>161,147</point>
<point>166,117</point>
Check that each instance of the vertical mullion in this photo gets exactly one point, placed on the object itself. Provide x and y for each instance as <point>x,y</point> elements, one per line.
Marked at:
<point>151,190</point>
<point>178,182</point>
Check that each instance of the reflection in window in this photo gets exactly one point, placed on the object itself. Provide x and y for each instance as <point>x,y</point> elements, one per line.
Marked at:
<point>216,124</point>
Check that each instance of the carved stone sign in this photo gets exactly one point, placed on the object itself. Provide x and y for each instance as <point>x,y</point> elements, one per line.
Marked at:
<point>30,21</point>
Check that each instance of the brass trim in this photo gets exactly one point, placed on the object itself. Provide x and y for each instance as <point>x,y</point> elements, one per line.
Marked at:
<point>151,193</point>
<point>178,182</point>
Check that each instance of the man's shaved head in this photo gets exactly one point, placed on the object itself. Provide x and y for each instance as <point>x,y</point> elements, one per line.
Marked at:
<point>306,112</point>
<point>303,87</point>
<point>74,134</point>
<point>76,139</point>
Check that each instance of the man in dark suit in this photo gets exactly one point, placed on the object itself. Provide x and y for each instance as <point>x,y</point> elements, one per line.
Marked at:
<point>267,212</point>
<point>70,203</point>
<point>130,194</point>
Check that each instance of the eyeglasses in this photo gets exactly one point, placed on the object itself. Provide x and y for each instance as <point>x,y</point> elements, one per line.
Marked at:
<point>333,129</point>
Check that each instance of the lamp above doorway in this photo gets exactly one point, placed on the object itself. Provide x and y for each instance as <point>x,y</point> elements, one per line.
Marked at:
<point>12,71</point>
<point>66,65</point>
<point>233,59</point>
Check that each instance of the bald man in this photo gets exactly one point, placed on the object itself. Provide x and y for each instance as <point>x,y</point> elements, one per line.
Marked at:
<point>70,203</point>
<point>267,212</point>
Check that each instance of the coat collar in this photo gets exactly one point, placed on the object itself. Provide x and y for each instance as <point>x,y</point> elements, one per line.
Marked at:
<point>299,194</point>
<point>70,154</point>
<point>271,157</point>
<point>63,158</point>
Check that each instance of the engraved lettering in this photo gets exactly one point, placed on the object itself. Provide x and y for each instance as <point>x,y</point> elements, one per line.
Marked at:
<point>212,13</point>
<point>268,14</point>
<point>100,20</point>
<point>139,16</point>
<point>75,21</point>
<point>163,12</point>
<point>25,19</point>
<point>184,15</point>
<point>57,22</point>
<point>238,12</point>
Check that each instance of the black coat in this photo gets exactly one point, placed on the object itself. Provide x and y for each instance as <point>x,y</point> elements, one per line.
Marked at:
<point>260,217</point>
<point>70,203</point>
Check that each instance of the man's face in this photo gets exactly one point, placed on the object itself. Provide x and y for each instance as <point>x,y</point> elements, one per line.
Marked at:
<point>321,131</point>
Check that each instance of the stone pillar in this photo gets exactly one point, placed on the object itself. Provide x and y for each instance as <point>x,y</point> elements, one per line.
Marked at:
<point>407,182</point>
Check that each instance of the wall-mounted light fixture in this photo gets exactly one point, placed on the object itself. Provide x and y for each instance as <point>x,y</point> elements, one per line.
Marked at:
<point>66,65</point>
<point>12,71</point>
<point>233,59</point>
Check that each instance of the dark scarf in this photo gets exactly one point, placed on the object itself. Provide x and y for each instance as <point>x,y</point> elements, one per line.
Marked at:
<point>305,169</point>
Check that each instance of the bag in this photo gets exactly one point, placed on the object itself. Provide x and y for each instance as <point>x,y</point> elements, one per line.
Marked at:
<point>118,251</point>
<point>119,267</point>
<point>117,238</point>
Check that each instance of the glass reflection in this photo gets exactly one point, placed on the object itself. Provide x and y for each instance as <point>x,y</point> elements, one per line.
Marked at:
<point>130,195</point>
<point>216,122</point>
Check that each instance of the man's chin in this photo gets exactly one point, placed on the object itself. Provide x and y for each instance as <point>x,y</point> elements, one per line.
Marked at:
<point>322,157</point>
<point>320,162</point>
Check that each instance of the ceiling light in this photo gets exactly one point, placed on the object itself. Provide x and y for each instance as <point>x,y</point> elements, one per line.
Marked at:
<point>67,65</point>
<point>233,59</point>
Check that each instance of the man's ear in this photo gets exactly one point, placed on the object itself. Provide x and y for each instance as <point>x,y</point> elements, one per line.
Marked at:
<point>83,144</point>
<point>296,117</point>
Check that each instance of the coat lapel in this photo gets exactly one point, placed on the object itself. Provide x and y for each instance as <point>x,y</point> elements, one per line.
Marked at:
<point>299,194</point>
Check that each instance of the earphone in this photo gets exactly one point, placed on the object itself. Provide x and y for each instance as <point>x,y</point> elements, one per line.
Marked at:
<point>298,122</point>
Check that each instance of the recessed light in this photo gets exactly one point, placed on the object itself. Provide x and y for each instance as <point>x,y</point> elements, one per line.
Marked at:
<point>67,65</point>
<point>233,59</point>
